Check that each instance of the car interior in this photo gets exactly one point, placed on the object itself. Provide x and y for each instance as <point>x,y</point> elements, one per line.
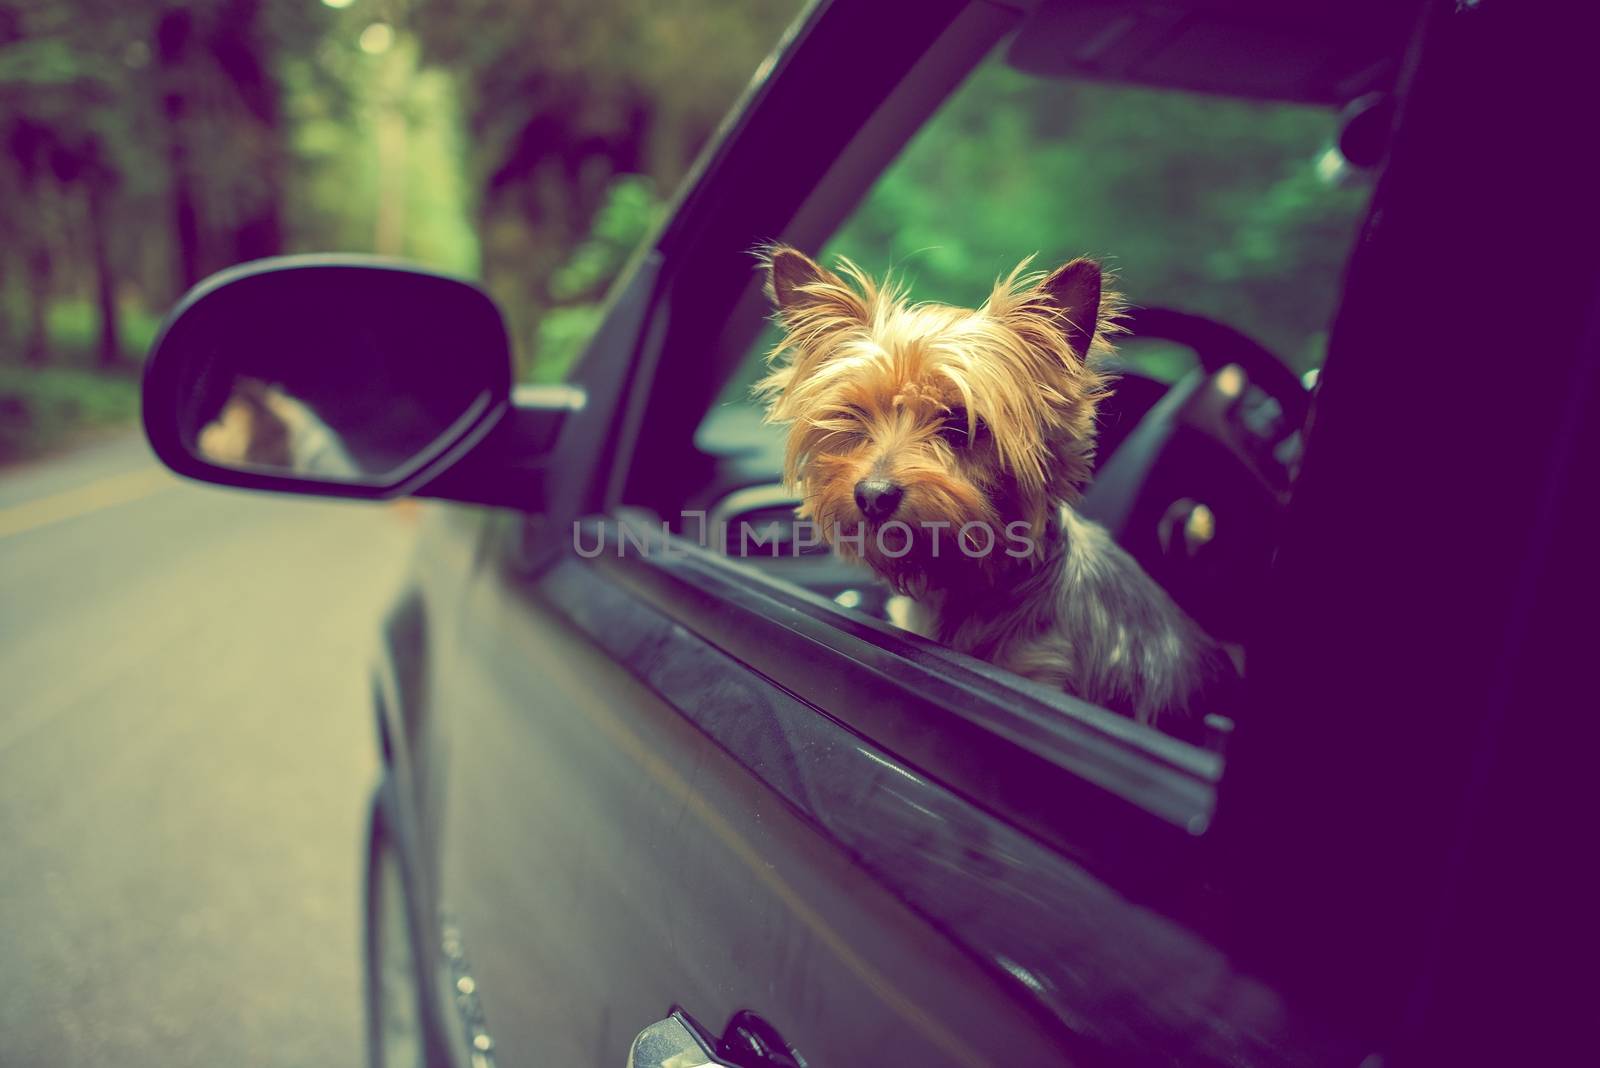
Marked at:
<point>1198,442</point>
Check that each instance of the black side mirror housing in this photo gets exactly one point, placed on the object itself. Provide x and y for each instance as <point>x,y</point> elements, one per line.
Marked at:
<point>348,376</point>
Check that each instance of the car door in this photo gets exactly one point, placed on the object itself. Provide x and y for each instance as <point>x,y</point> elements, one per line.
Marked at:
<point>674,784</point>
<point>640,821</point>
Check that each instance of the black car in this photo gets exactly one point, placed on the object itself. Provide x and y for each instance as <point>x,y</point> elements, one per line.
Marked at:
<point>654,795</point>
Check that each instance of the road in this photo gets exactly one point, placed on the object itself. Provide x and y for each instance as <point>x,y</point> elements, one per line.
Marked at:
<point>185,754</point>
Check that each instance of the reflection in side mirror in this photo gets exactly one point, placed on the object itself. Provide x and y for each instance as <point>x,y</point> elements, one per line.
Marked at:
<point>264,427</point>
<point>362,375</point>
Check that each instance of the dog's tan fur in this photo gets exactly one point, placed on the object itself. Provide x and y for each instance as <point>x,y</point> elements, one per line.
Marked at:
<point>979,418</point>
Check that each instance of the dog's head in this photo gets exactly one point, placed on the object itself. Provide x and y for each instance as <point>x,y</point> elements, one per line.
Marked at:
<point>250,429</point>
<point>920,433</point>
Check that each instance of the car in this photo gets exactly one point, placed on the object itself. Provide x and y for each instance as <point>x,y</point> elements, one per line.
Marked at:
<point>653,795</point>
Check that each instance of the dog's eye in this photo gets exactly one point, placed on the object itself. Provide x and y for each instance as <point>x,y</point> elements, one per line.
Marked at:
<point>958,432</point>
<point>849,417</point>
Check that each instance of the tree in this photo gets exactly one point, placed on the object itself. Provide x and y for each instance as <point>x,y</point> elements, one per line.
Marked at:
<point>561,98</point>
<point>1208,204</point>
<point>217,74</point>
<point>111,107</point>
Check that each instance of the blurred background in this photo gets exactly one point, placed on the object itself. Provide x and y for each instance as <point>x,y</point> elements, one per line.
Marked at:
<point>534,144</point>
<point>148,144</point>
<point>185,748</point>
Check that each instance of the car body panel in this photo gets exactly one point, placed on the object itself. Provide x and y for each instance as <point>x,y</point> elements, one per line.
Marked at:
<point>625,860</point>
<point>644,821</point>
<point>637,810</point>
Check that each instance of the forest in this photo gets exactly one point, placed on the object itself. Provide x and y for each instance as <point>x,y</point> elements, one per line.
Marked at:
<point>534,143</point>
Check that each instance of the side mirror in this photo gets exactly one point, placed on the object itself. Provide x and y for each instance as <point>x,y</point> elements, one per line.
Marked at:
<point>337,375</point>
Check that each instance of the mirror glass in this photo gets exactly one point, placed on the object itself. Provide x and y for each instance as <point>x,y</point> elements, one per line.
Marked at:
<point>337,372</point>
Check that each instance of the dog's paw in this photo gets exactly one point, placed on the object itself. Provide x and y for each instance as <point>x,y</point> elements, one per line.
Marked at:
<point>904,613</point>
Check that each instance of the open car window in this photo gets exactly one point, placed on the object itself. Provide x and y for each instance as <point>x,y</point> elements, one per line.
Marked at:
<point>1238,212</point>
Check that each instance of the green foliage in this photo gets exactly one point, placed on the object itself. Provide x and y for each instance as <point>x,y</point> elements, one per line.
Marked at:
<point>145,144</point>
<point>43,409</point>
<point>73,328</point>
<point>45,63</point>
<point>534,143</point>
<point>560,100</point>
<point>631,208</point>
<point>387,146</point>
<point>630,211</point>
<point>561,336</point>
<point>1201,203</point>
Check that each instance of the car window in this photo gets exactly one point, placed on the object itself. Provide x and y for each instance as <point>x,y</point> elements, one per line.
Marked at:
<point>1238,210</point>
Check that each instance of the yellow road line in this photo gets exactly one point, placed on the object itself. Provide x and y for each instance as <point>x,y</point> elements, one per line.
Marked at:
<point>97,495</point>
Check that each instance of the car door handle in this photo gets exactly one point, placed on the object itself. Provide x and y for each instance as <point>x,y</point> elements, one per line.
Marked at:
<point>678,1042</point>
<point>673,1043</point>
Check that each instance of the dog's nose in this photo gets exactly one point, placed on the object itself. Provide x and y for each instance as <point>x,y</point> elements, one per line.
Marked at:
<point>878,498</point>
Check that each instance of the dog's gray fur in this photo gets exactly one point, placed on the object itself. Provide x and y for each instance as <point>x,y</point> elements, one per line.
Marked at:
<point>1083,615</point>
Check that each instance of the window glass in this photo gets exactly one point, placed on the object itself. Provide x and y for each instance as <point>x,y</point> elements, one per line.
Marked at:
<point>1228,208</point>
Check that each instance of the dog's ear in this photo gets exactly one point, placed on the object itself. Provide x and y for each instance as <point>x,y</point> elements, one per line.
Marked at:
<point>801,288</point>
<point>788,272</point>
<point>1074,291</point>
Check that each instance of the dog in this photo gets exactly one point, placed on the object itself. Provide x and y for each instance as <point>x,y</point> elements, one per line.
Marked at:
<point>946,447</point>
<point>263,426</point>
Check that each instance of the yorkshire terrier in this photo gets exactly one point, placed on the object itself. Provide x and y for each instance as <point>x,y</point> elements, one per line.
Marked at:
<point>263,426</point>
<point>946,447</point>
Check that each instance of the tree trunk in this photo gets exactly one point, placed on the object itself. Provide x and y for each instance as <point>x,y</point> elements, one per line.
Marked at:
<point>105,281</point>
<point>6,335</point>
<point>174,30</point>
<point>243,52</point>
<point>36,348</point>
<point>29,146</point>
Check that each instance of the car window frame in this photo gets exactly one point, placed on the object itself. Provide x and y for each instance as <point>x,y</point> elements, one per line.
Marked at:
<point>1112,793</point>
<point>825,116</point>
<point>1132,804</point>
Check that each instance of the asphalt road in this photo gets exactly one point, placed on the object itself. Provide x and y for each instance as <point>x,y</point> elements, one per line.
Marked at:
<point>185,754</point>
